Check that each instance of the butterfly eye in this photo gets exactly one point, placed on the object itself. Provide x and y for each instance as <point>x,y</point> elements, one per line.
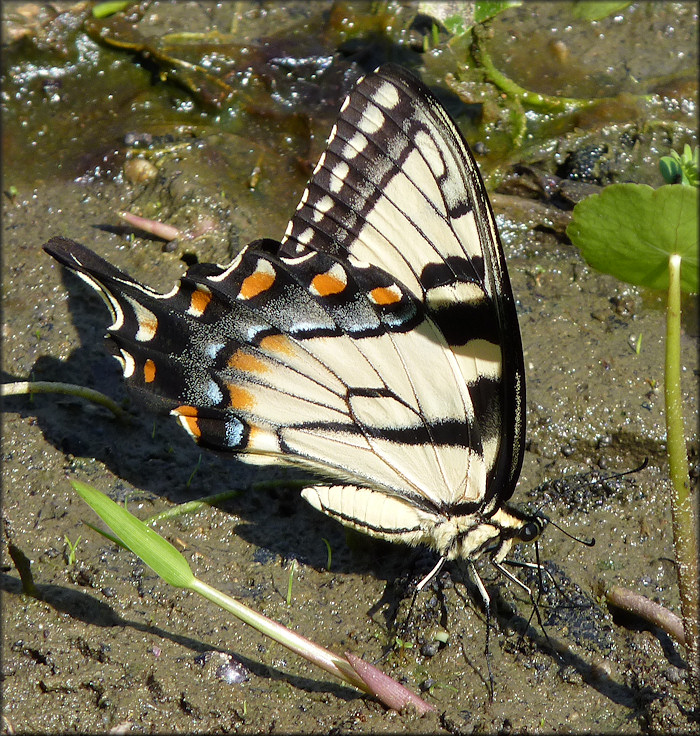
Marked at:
<point>530,531</point>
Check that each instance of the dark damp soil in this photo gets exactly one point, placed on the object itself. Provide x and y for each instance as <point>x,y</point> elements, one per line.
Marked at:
<point>107,645</point>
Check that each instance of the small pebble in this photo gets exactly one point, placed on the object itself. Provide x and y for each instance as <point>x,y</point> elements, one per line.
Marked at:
<point>223,666</point>
<point>139,171</point>
<point>674,675</point>
<point>430,648</point>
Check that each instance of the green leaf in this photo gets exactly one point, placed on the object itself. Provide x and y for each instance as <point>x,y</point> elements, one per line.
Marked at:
<point>681,168</point>
<point>104,10</point>
<point>485,10</point>
<point>596,9</point>
<point>630,230</point>
<point>455,24</point>
<point>147,544</point>
<point>671,169</point>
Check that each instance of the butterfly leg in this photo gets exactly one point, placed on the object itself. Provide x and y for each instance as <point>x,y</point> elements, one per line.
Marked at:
<point>486,600</point>
<point>420,587</point>
<point>430,575</point>
<point>540,569</point>
<point>535,605</point>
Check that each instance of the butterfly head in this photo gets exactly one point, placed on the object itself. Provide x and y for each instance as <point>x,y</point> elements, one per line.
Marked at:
<point>516,526</point>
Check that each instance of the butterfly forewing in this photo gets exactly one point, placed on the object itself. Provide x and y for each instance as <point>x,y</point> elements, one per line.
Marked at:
<point>398,188</point>
<point>377,343</point>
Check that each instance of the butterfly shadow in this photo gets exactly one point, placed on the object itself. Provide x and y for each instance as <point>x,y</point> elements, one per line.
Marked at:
<point>566,625</point>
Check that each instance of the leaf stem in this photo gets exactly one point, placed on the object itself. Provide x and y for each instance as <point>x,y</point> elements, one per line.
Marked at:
<point>683,505</point>
<point>323,658</point>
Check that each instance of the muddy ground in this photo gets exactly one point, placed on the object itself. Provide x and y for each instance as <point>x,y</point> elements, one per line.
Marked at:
<point>106,645</point>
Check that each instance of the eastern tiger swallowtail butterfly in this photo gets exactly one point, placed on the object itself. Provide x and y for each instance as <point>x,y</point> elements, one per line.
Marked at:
<point>376,344</point>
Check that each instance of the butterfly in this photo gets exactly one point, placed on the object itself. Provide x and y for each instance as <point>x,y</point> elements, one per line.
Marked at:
<point>376,345</point>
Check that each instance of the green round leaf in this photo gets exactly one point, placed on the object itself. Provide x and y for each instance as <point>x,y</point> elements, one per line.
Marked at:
<point>630,230</point>
<point>597,9</point>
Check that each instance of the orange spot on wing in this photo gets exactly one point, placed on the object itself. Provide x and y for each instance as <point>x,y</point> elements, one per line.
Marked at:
<point>240,398</point>
<point>276,344</point>
<point>324,284</point>
<point>149,371</point>
<point>199,301</point>
<point>384,295</point>
<point>245,362</point>
<point>192,425</point>
<point>255,284</point>
<point>188,419</point>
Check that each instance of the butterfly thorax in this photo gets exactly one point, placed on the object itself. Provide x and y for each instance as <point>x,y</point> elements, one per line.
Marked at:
<point>469,536</point>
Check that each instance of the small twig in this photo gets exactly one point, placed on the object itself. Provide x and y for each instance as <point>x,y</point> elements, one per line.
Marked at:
<point>47,387</point>
<point>159,229</point>
<point>23,565</point>
<point>641,606</point>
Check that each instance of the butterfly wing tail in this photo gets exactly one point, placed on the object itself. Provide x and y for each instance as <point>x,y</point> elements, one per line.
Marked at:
<point>134,338</point>
<point>86,264</point>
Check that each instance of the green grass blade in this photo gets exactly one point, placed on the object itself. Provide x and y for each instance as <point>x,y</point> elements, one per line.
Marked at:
<point>147,544</point>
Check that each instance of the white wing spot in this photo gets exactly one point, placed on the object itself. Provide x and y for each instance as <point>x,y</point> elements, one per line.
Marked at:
<point>387,95</point>
<point>440,297</point>
<point>372,120</point>
<point>306,256</point>
<point>324,205</point>
<point>128,363</point>
<point>354,146</point>
<point>306,237</point>
<point>356,262</point>
<point>229,269</point>
<point>304,198</point>
<point>340,171</point>
<point>320,163</point>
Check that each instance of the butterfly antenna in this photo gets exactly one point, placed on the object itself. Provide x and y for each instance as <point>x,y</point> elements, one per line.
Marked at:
<point>587,542</point>
<point>540,570</point>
